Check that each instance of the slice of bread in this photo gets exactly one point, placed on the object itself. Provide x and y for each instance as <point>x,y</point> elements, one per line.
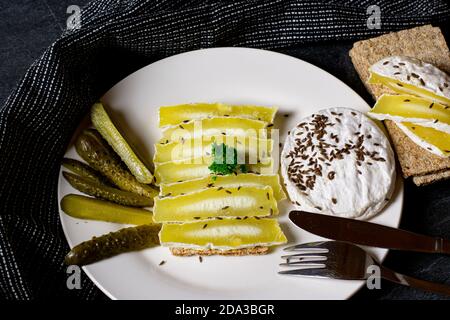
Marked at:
<point>425,43</point>
<point>259,250</point>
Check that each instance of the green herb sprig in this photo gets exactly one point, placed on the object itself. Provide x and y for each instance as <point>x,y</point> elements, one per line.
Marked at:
<point>225,160</point>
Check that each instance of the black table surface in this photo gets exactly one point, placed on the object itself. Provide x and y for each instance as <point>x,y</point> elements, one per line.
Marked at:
<point>28,27</point>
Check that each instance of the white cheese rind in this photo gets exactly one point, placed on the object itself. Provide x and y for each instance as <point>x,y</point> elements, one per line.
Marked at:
<point>400,68</point>
<point>356,195</point>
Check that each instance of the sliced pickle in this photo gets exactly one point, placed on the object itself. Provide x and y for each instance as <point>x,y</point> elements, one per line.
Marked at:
<point>412,76</point>
<point>432,140</point>
<point>173,115</point>
<point>230,181</point>
<point>223,234</point>
<point>177,171</point>
<point>83,207</point>
<point>216,202</point>
<point>251,147</point>
<point>85,171</point>
<point>213,127</point>
<point>406,108</point>
<point>114,243</point>
<point>98,153</point>
<point>106,192</point>
<point>102,122</point>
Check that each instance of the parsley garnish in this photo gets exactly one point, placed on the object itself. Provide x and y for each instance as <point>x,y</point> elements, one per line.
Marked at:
<point>225,160</point>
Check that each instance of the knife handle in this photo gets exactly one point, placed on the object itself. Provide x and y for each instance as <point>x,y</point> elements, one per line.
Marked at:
<point>442,245</point>
<point>413,282</point>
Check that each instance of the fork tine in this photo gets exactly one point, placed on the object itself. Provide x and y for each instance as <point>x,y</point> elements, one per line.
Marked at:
<point>308,247</point>
<point>302,255</point>
<point>307,272</point>
<point>304,265</point>
<point>307,250</point>
<point>301,258</point>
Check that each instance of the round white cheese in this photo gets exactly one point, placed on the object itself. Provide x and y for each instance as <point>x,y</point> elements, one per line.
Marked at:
<point>338,162</point>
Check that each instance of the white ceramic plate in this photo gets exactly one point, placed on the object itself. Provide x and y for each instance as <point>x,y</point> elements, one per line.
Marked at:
<point>229,75</point>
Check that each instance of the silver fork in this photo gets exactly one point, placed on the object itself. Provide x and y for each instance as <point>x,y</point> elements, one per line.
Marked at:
<point>343,260</point>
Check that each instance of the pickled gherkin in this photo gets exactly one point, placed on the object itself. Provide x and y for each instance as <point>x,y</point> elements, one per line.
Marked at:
<point>102,191</point>
<point>223,234</point>
<point>83,207</point>
<point>216,202</point>
<point>172,115</point>
<point>85,171</point>
<point>102,122</point>
<point>229,181</point>
<point>95,151</point>
<point>114,243</point>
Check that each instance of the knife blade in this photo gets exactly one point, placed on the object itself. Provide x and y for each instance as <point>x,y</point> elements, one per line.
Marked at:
<point>367,233</point>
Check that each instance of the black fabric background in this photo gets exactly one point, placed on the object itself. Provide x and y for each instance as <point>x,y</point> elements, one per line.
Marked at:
<point>117,38</point>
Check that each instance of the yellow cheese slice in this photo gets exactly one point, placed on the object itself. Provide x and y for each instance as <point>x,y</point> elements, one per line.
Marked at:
<point>216,202</point>
<point>250,147</point>
<point>407,108</point>
<point>223,234</point>
<point>213,127</point>
<point>177,171</point>
<point>434,141</point>
<point>412,76</point>
<point>406,88</point>
<point>173,115</point>
<point>229,181</point>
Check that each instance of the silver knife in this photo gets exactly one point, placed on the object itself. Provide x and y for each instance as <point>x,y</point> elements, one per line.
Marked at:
<point>367,233</point>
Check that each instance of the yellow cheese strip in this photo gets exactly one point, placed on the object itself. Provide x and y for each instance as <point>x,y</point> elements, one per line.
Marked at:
<point>177,171</point>
<point>173,115</point>
<point>216,202</point>
<point>407,108</point>
<point>229,181</point>
<point>213,127</point>
<point>434,141</point>
<point>403,87</point>
<point>251,147</point>
<point>223,234</point>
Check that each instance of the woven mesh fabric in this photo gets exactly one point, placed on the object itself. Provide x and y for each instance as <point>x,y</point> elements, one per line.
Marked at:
<point>115,38</point>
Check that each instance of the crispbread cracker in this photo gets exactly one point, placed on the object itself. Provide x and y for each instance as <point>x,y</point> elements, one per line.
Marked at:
<point>209,252</point>
<point>408,153</point>
<point>427,44</point>
<point>430,178</point>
